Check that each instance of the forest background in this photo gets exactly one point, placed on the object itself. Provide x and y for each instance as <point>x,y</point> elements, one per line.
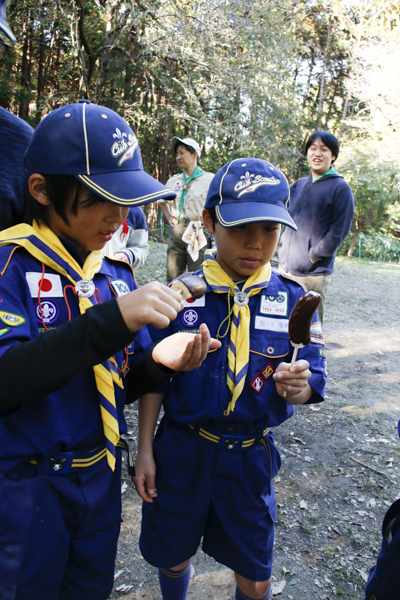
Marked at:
<point>242,77</point>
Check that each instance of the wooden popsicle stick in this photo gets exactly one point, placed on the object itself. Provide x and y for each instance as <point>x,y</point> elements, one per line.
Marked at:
<point>296,349</point>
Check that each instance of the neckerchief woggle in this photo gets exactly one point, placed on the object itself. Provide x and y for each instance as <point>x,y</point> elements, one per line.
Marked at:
<point>239,343</point>
<point>198,172</point>
<point>46,247</point>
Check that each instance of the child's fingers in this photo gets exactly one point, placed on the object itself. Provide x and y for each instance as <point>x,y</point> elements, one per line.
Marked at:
<point>140,483</point>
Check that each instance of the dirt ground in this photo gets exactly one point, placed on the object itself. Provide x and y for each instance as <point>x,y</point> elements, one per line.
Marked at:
<point>340,468</point>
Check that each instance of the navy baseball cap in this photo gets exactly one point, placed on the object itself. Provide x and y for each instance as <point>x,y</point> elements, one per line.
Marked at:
<point>247,190</point>
<point>98,147</point>
<point>4,27</point>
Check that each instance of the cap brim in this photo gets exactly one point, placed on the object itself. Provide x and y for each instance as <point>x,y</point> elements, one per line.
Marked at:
<point>175,143</point>
<point>127,188</point>
<point>240,213</point>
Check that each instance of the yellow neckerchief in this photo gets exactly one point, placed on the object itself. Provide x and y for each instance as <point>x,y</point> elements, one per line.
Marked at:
<point>239,343</point>
<point>48,249</point>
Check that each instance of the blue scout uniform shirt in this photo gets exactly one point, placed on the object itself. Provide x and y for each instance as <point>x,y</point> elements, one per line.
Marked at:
<point>68,419</point>
<point>202,395</point>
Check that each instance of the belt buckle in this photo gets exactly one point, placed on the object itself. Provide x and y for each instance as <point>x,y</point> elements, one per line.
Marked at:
<point>60,464</point>
<point>231,443</point>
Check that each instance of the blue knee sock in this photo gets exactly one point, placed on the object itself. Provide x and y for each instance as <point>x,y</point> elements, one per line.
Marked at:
<point>240,596</point>
<point>174,584</point>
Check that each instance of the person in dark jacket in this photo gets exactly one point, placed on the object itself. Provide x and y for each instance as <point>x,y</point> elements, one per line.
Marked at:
<point>15,135</point>
<point>322,206</point>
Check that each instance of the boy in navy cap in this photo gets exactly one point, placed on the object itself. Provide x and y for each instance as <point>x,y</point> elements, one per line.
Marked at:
<point>209,471</point>
<point>73,351</point>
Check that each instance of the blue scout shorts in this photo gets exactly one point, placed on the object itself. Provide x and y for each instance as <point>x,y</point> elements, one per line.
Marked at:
<point>58,533</point>
<point>216,486</point>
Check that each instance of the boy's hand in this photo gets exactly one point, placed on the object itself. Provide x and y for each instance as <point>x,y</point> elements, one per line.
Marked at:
<point>293,381</point>
<point>185,351</point>
<point>121,256</point>
<point>153,304</point>
<point>145,478</point>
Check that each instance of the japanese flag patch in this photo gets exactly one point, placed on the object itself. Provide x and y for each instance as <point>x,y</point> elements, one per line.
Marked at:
<point>51,285</point>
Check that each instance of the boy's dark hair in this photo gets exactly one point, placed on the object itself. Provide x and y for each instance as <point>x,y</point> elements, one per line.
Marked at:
<point>328,139</point>
<point>211,212</point>
<point>60,189</point>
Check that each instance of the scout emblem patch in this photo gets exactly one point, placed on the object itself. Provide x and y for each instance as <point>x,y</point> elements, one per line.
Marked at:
<point>4,331</point>
<point>259,380</point>
<point>120,287</point>
<point>48,310</point>
<point>190,317</point>
<point>11,319</point>
<point>274,305</point>
<point>316,336</point>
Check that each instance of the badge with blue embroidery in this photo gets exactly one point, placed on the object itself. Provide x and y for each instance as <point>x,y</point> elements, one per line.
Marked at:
<point>11,319</point>
<point>49,312</point>
<point>190,317</point>
<point>120,287</point>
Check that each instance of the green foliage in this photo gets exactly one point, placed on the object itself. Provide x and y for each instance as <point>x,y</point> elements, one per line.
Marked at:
<point>377,247</point>
<point>243,78</point>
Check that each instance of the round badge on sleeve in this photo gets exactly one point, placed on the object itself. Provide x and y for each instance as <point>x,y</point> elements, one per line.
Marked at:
<point>85,288</point>
<point>241,299</point>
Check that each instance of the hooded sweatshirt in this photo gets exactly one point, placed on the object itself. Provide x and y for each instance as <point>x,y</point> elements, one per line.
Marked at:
<point>323,212</point>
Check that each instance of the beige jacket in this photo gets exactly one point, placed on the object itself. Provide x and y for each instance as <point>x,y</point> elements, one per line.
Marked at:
<point>195,198</point>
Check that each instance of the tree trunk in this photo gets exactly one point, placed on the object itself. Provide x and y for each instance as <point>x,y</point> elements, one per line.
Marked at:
<point>322,84</point>
<point>352,244</point>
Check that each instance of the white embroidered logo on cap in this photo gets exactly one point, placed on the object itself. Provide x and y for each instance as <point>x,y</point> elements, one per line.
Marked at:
<point>250,185</point>
<point>126,145</point>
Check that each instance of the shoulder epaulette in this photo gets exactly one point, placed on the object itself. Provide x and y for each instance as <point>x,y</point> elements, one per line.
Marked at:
<point>291,278</point>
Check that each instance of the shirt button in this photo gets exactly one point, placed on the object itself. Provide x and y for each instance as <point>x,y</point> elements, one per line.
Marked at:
<point>270,350</point>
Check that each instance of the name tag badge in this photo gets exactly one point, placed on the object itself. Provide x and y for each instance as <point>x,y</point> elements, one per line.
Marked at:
<point>274,305</point>
<point>267,324</point>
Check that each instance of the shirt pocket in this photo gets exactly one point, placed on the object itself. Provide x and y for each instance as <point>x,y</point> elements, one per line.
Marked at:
<point>269,347</point>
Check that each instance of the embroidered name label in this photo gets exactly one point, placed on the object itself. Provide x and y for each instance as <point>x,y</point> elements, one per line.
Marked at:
<point>274,305</point>
<point>120,287</point>
<point>269,324</point>
<point>51,285</point>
